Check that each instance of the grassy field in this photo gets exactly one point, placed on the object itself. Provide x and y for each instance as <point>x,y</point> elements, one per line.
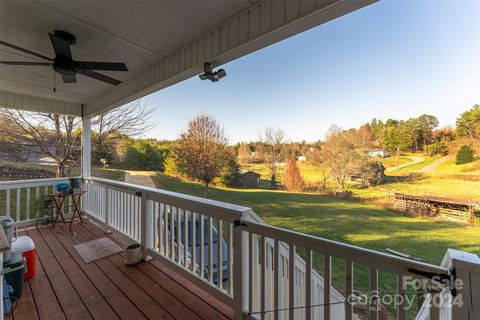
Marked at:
<point>448,180</point>
<point>361,224</point>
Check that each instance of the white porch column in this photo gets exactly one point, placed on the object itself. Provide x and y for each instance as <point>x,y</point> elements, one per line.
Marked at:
<point>86,146</point>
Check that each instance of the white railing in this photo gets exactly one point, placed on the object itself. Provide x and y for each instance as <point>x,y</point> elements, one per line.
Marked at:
<point>228,251</point>
<point>278,295</point>
<point>191,234</point>
<point>18,198</point>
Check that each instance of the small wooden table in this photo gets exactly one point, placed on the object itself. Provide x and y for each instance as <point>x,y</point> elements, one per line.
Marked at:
<point>59,200</point>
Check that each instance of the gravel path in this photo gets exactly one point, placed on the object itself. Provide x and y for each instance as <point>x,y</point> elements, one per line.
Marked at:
<point>433,166</point>
<point>143,178</point>
<point>415,160</point>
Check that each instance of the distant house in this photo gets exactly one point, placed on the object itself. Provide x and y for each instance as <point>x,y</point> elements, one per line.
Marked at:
<point>248,179</point>
<point>370,174</point>
<point>302,158</point>
<point>378,153</point>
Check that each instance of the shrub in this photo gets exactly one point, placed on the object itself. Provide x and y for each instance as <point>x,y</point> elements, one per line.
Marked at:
<point>465,155</point>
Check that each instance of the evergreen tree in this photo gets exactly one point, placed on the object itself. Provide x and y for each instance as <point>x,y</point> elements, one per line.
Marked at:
<point>293,180</point>
<point>465,155</point>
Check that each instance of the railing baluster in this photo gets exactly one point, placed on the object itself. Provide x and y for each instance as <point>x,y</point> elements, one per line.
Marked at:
<point>373,307</point>
<point>276,279</point>
<point>27,206</point>
<point>179,236</point>
<point>159,227</point>
<point>401,312</point>
<point>327,283</point>
<point>202,247</point>
<point>210,249</point>
<point>348,289</point>
<point>308,285</point>
<point>219,254</point>
<point>230,259</point>
<point>250,271</point>
<point>262,245</point>
<point>8,202</point>
<point>185,237</point>
<point>18,205</point>
<point>37,198</point>
<point>291,280</point>
<point>172,234</point>
<point>165,229</point>
<point>194,241</point>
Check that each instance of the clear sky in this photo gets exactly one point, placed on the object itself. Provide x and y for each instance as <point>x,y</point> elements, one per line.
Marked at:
<point>392,59</point>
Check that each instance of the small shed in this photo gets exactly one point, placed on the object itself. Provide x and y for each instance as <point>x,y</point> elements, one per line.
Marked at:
<point>302,158</point>
<point>378,153</point>
<point>249,179</point>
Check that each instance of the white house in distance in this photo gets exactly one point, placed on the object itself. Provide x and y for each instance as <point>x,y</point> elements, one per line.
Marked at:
<point>302,158</point>
<point>378,153</point>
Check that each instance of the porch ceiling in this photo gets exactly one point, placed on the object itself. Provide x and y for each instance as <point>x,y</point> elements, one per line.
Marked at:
<point>161,42</point>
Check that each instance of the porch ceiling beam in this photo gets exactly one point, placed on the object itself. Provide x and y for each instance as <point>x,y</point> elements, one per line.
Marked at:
<point>264,23</point>
<point>30,103</point>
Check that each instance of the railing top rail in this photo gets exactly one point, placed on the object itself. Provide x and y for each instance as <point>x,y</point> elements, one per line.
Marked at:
<point>349,252</point>
<point>179,199</point>
<point>12,184</point>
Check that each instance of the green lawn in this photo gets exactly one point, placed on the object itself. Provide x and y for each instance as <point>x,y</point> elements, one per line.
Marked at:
<point>448,180</point>
<point>361,224</point>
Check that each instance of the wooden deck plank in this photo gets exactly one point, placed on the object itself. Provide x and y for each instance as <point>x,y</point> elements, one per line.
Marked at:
<point>46,303</point>
<point>190,295</point>
<point>213,302</point>
<point>69,299</point>
<point>156,292</point>
<point>26,308</point>
<point>147,305</point>
<point>124,308</point>
<point>93,300</point>
<point>64,287</point>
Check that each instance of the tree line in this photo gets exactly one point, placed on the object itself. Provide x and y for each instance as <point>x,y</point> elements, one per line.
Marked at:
<point>203,152</point>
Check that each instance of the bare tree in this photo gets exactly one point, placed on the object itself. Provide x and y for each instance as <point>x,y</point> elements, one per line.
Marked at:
<point>273,140</point>
<point>131,119</point>
<point>339,154</point>
<point>201,152</point>
<point>58,136</point>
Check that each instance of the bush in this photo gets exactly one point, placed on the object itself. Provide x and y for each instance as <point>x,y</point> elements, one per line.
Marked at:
<point>465,155</point>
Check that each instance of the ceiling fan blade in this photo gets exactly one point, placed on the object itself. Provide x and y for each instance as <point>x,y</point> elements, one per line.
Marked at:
<point>69,78</point>
<point>107,66</point>
<point>60,46</point>
<point>24,50</point>
<point>20,63</point>
<point>99,76</point>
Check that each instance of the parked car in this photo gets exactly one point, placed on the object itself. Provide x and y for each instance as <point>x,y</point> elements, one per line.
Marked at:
<point>206,250</point>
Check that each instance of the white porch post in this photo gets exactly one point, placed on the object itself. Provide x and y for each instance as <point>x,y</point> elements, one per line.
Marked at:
<point>466,269</point>
<point>86,146</point>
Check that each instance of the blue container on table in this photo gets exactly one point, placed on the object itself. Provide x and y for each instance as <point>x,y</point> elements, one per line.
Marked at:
<point>75,183</point>
<point>62,187</point>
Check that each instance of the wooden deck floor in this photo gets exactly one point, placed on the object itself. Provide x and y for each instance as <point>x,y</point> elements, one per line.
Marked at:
<point>64,287</point>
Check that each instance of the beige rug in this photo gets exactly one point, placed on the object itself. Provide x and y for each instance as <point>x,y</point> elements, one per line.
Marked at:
<point>97,249</point>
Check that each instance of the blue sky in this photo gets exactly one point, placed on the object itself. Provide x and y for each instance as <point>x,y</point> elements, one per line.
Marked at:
<point>392,59</point>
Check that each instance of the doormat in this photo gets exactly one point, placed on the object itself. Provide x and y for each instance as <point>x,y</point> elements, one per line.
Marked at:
<point>97,249</point>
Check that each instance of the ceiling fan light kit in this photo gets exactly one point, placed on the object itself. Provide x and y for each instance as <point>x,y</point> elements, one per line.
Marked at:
<point>63,62</point>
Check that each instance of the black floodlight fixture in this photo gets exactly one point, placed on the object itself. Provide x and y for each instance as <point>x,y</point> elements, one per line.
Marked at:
<point>211,75</point>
